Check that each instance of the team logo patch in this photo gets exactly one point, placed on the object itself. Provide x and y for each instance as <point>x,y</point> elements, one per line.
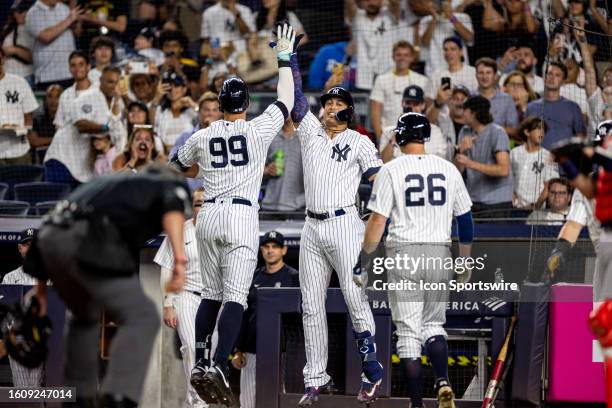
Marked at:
<point>340,153</point>
<point>12,97</point>
<point>87,108</point>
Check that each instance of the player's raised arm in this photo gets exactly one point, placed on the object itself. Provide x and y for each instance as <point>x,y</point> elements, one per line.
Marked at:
<point>284,49</point>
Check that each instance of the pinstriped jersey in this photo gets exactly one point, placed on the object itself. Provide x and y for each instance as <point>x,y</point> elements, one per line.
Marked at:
<point>232,155</point>
<point>165,257</point>
<point>333,167</point>
<point>421,194</point>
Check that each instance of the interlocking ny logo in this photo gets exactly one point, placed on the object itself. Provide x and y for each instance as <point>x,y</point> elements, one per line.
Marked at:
<point>340,152</point>
<point>537,167</point>
<point>12,97</point>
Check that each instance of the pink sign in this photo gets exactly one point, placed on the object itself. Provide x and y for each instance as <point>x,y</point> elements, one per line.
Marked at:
<point>576,370</point>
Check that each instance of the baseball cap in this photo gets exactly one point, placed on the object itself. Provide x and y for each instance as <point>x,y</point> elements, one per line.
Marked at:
<point>461,89</point>
<point>148,32</point>
<point>173,78</point>
<point>273,236</point>
<point>22,5</point>
<point>27,235</point>
<point>414,93</point>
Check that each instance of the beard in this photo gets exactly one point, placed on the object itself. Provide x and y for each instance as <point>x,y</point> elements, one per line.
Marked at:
<point>527,69</point>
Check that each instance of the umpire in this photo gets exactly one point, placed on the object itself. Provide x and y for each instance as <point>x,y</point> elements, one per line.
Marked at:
<point>89,247</point>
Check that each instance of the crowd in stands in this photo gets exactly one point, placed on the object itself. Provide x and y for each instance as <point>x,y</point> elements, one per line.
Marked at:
<point>121,84</point>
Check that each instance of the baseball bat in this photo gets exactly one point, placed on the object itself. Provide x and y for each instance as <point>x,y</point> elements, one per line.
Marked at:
<point>498,369</point>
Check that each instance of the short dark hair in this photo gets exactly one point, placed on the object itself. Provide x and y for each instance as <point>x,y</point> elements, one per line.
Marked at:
<point>113,69</point>
<point>559,65</point>
<point>172,35</point>
<point>481,108</point>
<point>488,62</point>
<point>561,180</point>
<point>78,54</point>
<point>531,123</point>
<point>102,41</point>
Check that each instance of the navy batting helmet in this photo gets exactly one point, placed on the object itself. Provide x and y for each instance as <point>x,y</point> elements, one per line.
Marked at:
<point>412,128</point>
<point>345,115</point>
<point>603,129</point>
<point>234,96</point>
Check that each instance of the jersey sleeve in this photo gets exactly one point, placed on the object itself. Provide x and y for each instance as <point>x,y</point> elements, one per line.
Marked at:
<point>189,153</point>
<point>463,202</point>
<point>578,210</point>
<point>381,199</point>
<point>368,157</point>
<point>29,103</point>
<point>164,256</point>
<point>270,122</point>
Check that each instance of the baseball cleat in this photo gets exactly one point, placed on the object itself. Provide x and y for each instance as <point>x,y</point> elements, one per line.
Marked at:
<point>369,392</point>
<point>446,397</point>
<point>197,379</point>
<point>217,388</point>
<point>312,393</point>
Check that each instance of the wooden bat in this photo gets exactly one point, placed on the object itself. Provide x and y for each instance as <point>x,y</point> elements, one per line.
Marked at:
<point>498,369</point>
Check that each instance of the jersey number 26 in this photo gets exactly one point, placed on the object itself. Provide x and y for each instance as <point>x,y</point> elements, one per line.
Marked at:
<point>436,195</point>
<point>236,145</point>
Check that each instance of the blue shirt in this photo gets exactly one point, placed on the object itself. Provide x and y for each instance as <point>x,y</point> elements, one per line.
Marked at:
<point>323,63</point>
<point>563,118</point>
<point>503,110</point>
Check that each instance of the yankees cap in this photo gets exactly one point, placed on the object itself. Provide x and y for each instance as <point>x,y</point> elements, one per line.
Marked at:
<point>26,235</point>
<point>273,236</point>
<point>414,93</point>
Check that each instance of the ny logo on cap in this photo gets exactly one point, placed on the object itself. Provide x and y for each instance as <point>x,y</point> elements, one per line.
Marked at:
<point>335,91</point>
<point>272,235</point>
<point>340,152</point>
<point>412,92</point>
<point>30,232</point>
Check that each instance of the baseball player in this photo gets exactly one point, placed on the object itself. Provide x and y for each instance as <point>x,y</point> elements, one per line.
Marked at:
<point>274,274</point>
<point>413,190</point>
<point>231,154</point>
<point>22,375</point>
<point>334,160</point>
<point>180,310</point>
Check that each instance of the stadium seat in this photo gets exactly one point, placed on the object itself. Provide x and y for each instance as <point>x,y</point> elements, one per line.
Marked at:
<point>19,173</point>
<point>44,207</point>
<point>39,191</point>
<point>3,190</point>
<point>14,208</point>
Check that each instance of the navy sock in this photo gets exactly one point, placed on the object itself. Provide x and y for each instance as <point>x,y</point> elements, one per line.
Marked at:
<point>437,350</point>
<point>206,318</point>
<point>414,379</point>
<point>229,329</point>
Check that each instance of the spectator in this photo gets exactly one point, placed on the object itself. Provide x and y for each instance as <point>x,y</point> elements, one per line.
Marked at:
<point>386,95</point>
<point>42,131</point>
<point>558,198</point>
<point>102,17</point>
<point>102,49</point>
<point>459,72</point>
<point>450,116</point>
<point>50,22</point>
<point>223,61</point>
<point>413,100</point>
<point>274,274</point>
<point>572,90</point>
<point>96,113</point>
<point>441,24</point>
<point>173,45</point>
<point>284,172</point>
<point>375,29</point>
<point>523,59</point>
<point>176,112</point>
<point>79,69</point>
<point>226,24</point>
<point>484,157</point>
<point>514,25</point>
<point>18,103</point>
<point>502,105</point>
<point>562,116</point>
<point>137,114</point>
<point>208,113</point>
<point>328,57</point>
<point>152,12</point>
<point>139,151</point>
<point>142,88</point>
<point>532,165</point>
<point>144,44</point>
<point>517,86</point>
<point>17,43</point>
<point>103,153</point>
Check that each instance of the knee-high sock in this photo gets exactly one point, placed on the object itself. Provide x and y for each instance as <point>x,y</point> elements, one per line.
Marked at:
<point>229,329</point>
<point>206,318</point>
<point>414,378</point>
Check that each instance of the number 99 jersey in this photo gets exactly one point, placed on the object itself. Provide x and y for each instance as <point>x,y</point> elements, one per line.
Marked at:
<point>232,155</point>
<point>421,194</point>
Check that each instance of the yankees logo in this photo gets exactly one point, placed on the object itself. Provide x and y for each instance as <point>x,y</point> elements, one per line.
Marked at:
<point>12,97</point>
<point>537,167</point>
<point>341,153</point>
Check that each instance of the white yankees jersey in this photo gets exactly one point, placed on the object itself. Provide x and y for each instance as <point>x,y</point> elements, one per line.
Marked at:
<point>231,155</point>
<point>17,99</point>
<point>165,258</point>
<point>18,277</point>
<point>415,190</point>
<point>64,109</point>
<point>333,167</point>
<point>582,211</point>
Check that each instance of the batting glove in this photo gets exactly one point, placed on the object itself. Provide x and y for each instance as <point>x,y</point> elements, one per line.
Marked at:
<point>361,268</point>
<point>285,42</point>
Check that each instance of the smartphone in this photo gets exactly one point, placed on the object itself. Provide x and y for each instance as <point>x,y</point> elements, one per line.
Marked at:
<point>446,82</point>
<point>139,67</point>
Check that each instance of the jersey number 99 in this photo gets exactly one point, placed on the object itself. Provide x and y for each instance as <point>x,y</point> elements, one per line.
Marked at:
<point>436,195</point>
<point>220,150</point>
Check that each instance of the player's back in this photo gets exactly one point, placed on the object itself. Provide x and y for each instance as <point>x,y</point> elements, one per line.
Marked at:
<point>427,191</point>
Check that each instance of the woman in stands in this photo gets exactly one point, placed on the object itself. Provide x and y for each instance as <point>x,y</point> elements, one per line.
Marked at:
<point>139,152</point>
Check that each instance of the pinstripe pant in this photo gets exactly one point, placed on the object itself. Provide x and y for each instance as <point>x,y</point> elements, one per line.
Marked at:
<point>247,382</point>
<point>228,241</point>
<point>326,244</point>
<point>186,305</point>
<point>24,376</point>
<point>418,314</point>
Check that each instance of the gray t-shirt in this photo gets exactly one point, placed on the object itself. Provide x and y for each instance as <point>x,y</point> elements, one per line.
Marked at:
<point>563,117</point>
<point>485,189</point>
<point>50,60</point>
<point>503,110</point>
<point>285,193</point>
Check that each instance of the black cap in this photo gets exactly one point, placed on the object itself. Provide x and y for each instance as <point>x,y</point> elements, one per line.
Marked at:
<point>273,236</point>
<point>22,5</point>
<point>234,96</point>
<point>414,93</point>
<point>148,32</point>
<point>462,89</point>
<point>27,235</point>
<point>338,92</point>
<point>172,77</point>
